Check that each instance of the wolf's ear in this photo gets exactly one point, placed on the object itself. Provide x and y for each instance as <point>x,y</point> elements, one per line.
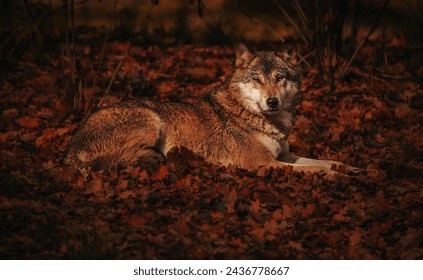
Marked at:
<point>243,55</point>
<point>289,54</point>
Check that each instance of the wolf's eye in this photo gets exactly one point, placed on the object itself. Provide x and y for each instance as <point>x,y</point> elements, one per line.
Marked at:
<point>256,79</point>
<point>279,78</point>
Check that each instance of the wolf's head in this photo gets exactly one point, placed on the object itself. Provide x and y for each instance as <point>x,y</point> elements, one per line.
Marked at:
<point>268,82</point>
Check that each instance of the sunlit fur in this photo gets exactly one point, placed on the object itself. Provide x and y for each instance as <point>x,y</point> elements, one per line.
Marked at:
<point>233,125</point>
<point>257,80</point>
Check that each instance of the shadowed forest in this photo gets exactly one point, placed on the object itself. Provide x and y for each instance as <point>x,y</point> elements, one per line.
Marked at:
<point>361,64</point>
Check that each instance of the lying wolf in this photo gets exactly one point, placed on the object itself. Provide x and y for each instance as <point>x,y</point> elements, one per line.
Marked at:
<point>244,122</point>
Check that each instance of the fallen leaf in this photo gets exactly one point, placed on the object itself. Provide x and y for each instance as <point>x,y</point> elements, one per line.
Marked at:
<point>136,221</point>
<point>28,122</point>
<point>355,238</point>
<point>161,173</point>
<point>402,111</point>
<point>255,206</point>
<point>287,212</point>
<point>295,245</point>
<point>259,234</point>
<point>271,226</point>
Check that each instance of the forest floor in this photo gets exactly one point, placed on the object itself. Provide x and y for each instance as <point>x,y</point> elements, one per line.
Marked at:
<point>188,209</point>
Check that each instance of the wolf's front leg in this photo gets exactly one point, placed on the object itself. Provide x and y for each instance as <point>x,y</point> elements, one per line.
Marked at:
<point>314,165</point>
<point>308,169</point>
<point>326,164</point>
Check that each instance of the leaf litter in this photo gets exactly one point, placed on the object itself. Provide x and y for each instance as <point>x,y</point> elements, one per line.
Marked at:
<point>184,208</point>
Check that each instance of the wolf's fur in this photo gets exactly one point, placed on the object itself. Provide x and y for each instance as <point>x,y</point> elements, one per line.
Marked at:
<point>244,122</point>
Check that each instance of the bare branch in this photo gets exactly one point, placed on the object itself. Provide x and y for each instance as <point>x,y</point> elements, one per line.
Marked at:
<point>371,31</point>
<point>114,75</point>
<point>112,22</point>
<point>292,22</point>
<point>259,22</point>
<point>300,13</point>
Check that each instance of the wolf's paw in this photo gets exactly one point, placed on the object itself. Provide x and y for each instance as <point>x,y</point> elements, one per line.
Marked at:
<point>355,171</point>
<point>371,172</point>
<point>343,169</point>
<point>349,170</point>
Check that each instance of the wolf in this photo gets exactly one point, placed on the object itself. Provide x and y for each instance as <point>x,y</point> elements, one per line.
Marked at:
<point>244,122</point>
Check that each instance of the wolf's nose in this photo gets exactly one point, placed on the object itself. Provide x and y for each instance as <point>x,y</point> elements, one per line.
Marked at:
<point>272,102</point>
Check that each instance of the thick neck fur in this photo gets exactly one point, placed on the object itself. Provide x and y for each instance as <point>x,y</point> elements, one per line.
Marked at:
<point>276,126</point>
